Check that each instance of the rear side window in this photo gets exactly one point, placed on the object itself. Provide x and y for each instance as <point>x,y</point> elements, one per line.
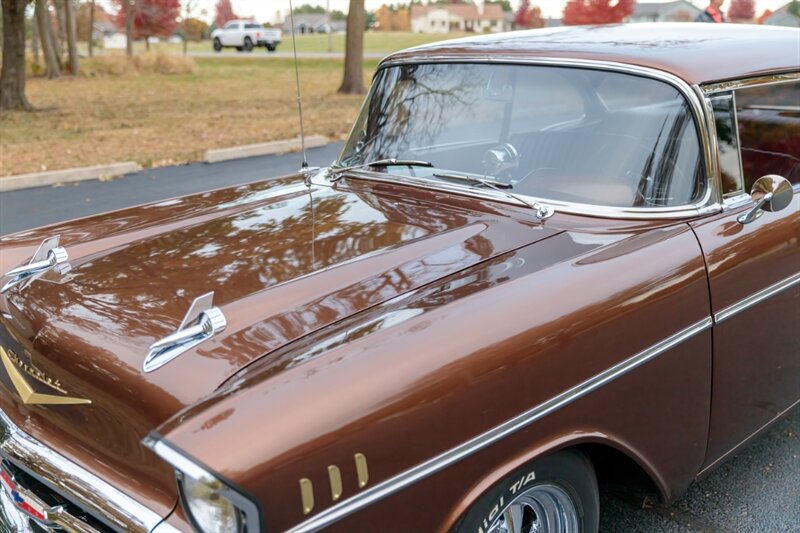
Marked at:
<point>769,131</point>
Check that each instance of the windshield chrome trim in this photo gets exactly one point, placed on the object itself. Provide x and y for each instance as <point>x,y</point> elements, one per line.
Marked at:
<point>453,455</point>
<point>710,202</point>
<point>774,79</point>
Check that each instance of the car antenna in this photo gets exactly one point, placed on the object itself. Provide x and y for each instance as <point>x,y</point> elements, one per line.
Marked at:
<point>297,83</point>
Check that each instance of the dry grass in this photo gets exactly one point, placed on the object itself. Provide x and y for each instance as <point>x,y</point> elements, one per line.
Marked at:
<point>158,119</point>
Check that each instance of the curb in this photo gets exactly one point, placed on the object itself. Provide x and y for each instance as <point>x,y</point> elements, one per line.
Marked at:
<point>43,179</point>
<point>270,148</point>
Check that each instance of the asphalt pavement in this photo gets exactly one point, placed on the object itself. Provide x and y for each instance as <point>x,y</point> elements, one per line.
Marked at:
<point>758,491</point>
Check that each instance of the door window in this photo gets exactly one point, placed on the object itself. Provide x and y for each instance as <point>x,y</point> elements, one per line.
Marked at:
<point>769,131</point>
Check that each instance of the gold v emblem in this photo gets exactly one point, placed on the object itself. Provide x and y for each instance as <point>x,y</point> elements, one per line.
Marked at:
<point>26,392</point>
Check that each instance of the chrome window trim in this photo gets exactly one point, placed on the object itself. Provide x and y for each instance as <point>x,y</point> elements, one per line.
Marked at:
<point>479,442</point>
<point>92,494</point>
<point>756,298</point>
<point>774,79</point>
<point>710,201</point>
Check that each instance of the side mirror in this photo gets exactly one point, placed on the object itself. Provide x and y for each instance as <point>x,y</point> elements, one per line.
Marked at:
<point>770,193</point>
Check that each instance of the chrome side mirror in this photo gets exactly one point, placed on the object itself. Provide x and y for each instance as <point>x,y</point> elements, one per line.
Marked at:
<point>770,193</point>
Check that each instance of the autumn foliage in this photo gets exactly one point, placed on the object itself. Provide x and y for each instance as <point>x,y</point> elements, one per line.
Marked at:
<point>596,11</point>
<point>151,18</point>
<point>742,10</point>
<point>528,16</point>
<point>224,13</point>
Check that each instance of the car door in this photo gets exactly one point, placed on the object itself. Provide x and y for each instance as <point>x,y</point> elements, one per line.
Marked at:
<point>230,34</point>
<point>754,267</point>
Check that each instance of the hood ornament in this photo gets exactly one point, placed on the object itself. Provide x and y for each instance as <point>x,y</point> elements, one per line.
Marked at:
<point>201,322</point>
<point>49,255</point>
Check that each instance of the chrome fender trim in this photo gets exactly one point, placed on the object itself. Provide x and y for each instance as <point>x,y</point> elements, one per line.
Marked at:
<point>443,460</point>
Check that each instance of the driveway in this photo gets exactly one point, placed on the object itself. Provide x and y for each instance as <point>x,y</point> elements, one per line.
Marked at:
<point>758,491</point>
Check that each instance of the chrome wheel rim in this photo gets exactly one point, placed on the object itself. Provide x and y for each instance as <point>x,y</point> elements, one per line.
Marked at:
<point>543,508</point>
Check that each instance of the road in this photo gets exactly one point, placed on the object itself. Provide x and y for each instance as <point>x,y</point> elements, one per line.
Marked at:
<point>758,491</point>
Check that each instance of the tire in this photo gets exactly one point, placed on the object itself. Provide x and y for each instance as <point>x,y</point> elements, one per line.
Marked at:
<point>562,486</point>
<point>217,45</point>
<point>248,45</point>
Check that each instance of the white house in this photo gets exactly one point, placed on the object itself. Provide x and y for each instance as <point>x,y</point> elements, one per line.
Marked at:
<point>478,18</point>
<point>676,11</point>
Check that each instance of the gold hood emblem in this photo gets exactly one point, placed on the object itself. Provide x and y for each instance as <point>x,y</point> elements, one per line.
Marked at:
<point>13,364</point>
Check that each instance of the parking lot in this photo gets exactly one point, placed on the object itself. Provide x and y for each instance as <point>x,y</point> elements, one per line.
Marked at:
<point>757,491</point>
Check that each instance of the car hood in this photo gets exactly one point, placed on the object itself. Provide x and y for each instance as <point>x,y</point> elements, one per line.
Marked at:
<point>283,260</point>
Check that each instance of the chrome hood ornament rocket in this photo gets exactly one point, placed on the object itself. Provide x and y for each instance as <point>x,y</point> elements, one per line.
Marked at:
<point>48,256</point>
<point>201,322</point>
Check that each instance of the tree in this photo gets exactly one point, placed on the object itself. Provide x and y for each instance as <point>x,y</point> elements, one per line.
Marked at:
<point>151,18</point>
<point>528,16</point>
<point>505,4</point>
<point>12,77</point>
<point>43,24</point>
<point>742,10</point>
<point>224,13</point>
<point>72,39</point>
<point>596,11</point>
<point>353,80</point>
<point>194,29</point>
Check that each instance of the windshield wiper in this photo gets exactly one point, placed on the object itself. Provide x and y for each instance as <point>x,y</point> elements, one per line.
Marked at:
<point>337,173</point>
<point>542,211</point>
<point>489,182</point>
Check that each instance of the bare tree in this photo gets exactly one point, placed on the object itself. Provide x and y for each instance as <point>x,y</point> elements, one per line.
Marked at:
<point>12,77</point>
<point>353,82</point>
<point>51,60</point>
<point>91,28</point>
<point>35,41</point>
<point>61,19</point>
<point>129,28</point>
<point>72,37</point>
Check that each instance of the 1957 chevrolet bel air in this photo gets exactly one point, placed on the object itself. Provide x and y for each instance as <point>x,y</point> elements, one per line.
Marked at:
<point>542,259</point>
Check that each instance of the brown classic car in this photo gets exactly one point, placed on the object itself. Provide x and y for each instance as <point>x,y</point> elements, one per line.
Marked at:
<point>543,259</point>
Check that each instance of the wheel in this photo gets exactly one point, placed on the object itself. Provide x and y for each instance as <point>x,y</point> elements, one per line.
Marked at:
<point>217,45</point>
<point>248,44</point>
<point>554,494</point>
<point>271,47</point>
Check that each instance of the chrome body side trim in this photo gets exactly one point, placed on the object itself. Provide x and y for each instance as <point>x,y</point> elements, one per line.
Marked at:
<point>92,494</point>
<point>787,77</point>
<point>709,203</point>
<point>756,298</point>
<point>479,442</point>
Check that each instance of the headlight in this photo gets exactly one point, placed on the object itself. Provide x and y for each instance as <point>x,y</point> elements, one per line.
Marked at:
<point>211,504</point>
<point>212,512</point>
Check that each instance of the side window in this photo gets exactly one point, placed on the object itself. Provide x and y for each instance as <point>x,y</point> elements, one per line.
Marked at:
<point>231,26</point>
<point>769,131</point>
<point>728,144</point>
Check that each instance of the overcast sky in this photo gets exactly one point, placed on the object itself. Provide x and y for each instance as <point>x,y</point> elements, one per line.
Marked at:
<point>264,10</point>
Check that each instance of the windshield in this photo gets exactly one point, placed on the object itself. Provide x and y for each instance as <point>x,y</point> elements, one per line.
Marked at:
<point>566,134</point>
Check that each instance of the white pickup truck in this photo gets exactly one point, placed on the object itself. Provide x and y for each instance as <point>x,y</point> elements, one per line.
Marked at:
<point>244,35</point>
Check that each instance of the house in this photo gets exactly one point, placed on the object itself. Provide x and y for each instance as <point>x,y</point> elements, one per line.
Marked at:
<point>312,23</point>
<point>444,18</point>
<point>676,11</point>
<point>782,17</point>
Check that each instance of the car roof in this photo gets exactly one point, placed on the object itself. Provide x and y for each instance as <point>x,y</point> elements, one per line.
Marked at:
<point>696,52</point>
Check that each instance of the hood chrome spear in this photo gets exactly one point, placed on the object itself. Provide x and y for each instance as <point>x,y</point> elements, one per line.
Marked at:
<point>48,255</point>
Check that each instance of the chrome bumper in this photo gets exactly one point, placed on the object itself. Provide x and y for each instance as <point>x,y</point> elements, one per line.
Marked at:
<point>106,507</point>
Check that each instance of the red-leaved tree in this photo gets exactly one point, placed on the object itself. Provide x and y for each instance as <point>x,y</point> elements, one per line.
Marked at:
<point>596,11</point>
<point>224,13</point>
<point>742,10</point>
<point>528,16</point>
<point>151,18</point>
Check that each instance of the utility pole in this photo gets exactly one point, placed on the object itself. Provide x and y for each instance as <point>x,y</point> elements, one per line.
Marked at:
<point>328,22</point>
